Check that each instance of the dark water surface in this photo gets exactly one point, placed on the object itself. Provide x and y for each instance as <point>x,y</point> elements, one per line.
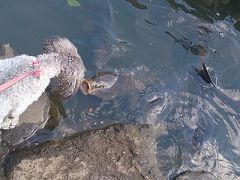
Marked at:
<point>154,45</point>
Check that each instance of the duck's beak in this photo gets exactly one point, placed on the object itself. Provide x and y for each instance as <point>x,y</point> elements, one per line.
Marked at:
<point>85,87</point>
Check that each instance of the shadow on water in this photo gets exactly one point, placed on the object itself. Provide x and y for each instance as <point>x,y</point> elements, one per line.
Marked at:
<point>104,43</point>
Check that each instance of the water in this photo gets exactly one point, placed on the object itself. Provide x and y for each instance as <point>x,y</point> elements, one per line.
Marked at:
<point>154,46</point>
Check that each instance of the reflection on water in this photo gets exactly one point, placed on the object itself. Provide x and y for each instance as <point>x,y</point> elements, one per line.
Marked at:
<point>159,44</point>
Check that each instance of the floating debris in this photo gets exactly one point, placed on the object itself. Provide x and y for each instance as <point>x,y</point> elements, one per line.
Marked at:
<point>137,4</point>
<point>194,47</point>
<point>151,23</point>
<point>203,73</point>
<point>73,3</point>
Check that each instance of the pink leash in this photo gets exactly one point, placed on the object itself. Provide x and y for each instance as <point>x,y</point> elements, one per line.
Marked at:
<point>10,83</point>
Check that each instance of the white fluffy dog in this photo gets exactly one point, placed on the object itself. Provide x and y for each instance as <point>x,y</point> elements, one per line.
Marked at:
<point>59,59</point>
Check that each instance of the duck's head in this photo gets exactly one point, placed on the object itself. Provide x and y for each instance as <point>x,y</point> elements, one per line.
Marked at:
<point>102,81</point>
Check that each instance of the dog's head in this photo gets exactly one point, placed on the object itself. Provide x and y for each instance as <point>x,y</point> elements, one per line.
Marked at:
<point>72,67</point>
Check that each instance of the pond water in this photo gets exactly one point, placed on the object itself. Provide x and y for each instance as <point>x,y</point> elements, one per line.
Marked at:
<point>154,46</point>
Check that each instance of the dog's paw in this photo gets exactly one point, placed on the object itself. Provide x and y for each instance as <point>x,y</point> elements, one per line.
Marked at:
<point>9,123</point>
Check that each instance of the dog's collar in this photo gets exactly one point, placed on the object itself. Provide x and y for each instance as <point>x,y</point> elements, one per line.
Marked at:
<point>36,72</point>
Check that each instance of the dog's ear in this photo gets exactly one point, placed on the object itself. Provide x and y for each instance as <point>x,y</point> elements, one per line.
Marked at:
<point>70,79</point>
<point>72,67</point>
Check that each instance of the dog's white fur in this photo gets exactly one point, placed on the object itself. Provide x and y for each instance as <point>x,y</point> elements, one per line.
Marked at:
<point>59,59</point>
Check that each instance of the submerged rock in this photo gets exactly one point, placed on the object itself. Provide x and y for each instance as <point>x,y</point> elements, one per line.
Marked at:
<point>116,152</point>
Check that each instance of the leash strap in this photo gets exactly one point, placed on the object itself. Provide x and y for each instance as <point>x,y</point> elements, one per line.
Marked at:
<point>36,73</point>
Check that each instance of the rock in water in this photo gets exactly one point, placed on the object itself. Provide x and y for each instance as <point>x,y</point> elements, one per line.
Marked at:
<point>6,51</point>
<point>116,152</point>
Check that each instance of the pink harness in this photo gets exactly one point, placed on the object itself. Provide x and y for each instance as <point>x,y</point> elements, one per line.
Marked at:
<point>36,72</point>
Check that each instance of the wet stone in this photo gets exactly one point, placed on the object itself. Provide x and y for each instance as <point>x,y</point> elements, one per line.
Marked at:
<point>116,152</point>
